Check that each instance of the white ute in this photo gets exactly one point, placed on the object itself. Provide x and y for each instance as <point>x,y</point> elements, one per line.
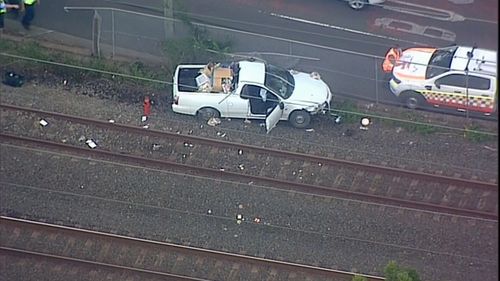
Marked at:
<point>250,90</point>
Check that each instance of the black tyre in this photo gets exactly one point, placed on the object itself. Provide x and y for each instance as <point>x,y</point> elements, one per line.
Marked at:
<point>300,119</point>
<point>207,112</point>
<point>413,100</point>
<point>356,4</point>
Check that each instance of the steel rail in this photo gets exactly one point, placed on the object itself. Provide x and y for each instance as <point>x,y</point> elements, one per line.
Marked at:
<point>244,178</point>
<point>240,258</point>
<point>268,151</point>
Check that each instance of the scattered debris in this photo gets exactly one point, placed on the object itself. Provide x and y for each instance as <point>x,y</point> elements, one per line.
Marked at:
<point>221,169</point>
<point>82,138</point>
<point>310,130</point>
<point>111,121</point>
<point>146,126</point>
<point>65,82</point>
<point>13,79</point>
<point>91,143</point>
<point>239,219</point>
<point>489,148</point>
<point>247,121</point>
<point>240,152</point>
<point>364,123</point>
<point>213,121</point>
<point>156,146</point>
<point>256,220</point>
<point>209,212</point>
<point>43,122</point>
<point>241,167</point>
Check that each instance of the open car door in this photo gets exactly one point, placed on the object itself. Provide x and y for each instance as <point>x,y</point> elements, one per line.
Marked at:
<point>274,116</point>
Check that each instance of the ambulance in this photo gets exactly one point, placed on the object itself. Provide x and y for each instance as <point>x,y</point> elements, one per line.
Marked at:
<point>457,77</point>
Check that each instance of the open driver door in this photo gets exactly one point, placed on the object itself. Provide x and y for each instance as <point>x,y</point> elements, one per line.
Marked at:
<point>274,116</point>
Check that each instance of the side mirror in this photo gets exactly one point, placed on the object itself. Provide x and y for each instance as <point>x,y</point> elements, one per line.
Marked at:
<point>438,85</point>
<point>281,105</point>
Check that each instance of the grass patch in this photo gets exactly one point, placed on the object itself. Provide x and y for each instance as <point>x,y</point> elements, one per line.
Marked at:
<point>474,134</point>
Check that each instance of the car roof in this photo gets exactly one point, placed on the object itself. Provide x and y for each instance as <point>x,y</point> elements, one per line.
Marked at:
<point>483,61</point>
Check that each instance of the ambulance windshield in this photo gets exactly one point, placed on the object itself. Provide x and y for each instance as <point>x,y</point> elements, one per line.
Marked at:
<point>440,61</point>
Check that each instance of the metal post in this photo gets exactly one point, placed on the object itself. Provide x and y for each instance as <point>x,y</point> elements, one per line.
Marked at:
<point>168,14</point>
<point>376,81</point>
<point>467,96</point>
<point>113,31</point>
<point>96,34</point>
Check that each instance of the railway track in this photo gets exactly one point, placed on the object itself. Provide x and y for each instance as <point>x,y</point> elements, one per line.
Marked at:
<point>260,165</point>
<point>128,258</point>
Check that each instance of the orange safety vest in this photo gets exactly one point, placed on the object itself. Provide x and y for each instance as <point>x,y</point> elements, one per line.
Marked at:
<point>390,60</point>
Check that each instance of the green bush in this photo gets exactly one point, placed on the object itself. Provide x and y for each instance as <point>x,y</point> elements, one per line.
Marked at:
<point>359,278</point>
<point>393,272</point>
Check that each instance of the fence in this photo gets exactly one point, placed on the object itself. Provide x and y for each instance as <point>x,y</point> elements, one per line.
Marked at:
<point>116,30</point>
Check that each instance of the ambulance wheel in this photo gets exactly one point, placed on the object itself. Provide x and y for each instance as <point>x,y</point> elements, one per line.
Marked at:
<point>413,100</point>
<point>207,112</point>
<point>300,119</point>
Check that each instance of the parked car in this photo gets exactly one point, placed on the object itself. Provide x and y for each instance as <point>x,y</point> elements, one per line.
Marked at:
<point>359,4</point>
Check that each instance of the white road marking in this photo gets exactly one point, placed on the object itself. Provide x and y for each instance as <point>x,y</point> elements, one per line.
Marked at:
<point>411,27</point>
<point>333,26</point>
<point>424,11</point>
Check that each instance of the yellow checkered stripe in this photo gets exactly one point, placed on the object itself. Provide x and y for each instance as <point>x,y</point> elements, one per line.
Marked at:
<point>482,103</point>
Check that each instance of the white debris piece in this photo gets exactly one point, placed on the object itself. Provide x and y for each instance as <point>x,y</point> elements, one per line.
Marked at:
<point>310,130</point>
<point>144,118</point>
<point>91,143</point>
<point>213,121</point>
<point>43,122</point>
<point>209,212</point>
<point>146,126</point>
<point>111,121</point>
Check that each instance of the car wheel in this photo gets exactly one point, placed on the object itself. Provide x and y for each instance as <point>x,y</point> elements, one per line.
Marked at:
<point>207,112</point>
<point>357,4</point>
<point>300,119</point>
<point>413,100</point>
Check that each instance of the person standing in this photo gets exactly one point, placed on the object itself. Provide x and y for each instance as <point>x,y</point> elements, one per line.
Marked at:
<point>29,12</point>
<point>391,58</point>
<point>3,10</point>
<point>15,12</point>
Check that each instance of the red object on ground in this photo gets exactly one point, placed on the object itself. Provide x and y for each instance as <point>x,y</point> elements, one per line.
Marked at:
<point>147,106</point>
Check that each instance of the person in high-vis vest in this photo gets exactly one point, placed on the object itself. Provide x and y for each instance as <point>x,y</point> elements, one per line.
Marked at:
<point>29,12</point>
<point>3,10</point>
<point>392,56</point>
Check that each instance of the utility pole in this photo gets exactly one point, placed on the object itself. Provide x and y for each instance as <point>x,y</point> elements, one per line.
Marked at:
<point>168,13</point>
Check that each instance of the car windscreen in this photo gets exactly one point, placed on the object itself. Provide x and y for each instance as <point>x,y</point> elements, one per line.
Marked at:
<point>440,61</point>
<point>279,80</point>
